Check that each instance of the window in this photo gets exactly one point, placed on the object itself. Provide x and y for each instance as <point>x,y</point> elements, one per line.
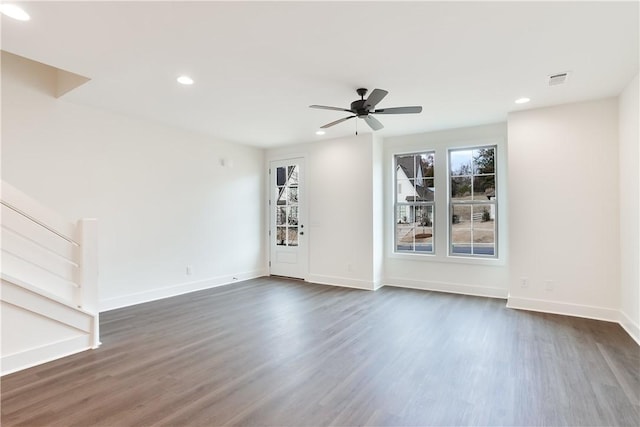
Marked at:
<point>414,202</point>
<point>472,202</point>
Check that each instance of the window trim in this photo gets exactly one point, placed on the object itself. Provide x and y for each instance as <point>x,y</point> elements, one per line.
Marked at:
<point>451,203</point>
<point>396,204</point>
<point>441,143</point>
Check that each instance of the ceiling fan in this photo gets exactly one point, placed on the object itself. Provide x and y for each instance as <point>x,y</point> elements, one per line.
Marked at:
<point>363,108</point>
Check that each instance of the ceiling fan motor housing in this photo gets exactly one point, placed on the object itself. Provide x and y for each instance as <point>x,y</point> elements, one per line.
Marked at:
<point>357,107</point>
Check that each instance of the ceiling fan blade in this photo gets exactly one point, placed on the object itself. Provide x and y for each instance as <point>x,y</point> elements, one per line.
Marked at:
<point>376,96</point>
<point>373,123</point>
<point>398,110</point>
<point>324,107</point>
<point>328,125</point>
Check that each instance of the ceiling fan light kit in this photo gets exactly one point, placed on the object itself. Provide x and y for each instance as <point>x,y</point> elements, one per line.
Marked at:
<point>363,108</point>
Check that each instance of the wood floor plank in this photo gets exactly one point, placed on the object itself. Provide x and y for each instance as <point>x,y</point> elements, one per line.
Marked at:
<point>278,352</point>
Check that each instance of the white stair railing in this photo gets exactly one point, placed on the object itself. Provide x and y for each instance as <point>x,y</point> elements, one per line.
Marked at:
<point>48,254</point>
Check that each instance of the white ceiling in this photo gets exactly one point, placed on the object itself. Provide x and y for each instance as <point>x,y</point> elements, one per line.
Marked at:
<point>257,66</point>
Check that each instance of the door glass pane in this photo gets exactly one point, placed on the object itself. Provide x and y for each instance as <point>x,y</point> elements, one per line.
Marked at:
<point>281,176</point>
<point>281,215</point>
<point>293,175</point>
<point>293,215</point>
<point>292,236</point>
<point>292,196</point>
<point>282,196</point>
<point>281,236</point>
<point>286,206</point>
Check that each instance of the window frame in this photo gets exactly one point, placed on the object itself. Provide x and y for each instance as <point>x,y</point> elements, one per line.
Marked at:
<point>491,203</point>
<point>493,135</point>
<point>415,204</point>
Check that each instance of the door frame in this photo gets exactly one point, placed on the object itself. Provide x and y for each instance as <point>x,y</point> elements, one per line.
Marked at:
<point>303,207</point>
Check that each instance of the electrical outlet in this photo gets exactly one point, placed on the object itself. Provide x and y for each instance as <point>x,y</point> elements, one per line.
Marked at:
<point>189,270</point>
<point>548,285</point>
<point>349,267</point>
<point>524,282</point>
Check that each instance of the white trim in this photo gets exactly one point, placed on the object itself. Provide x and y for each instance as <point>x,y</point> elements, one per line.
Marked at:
<point>40,305</point>
<point>175,290</point>
<point>563,308</point>
<point>344,282</point>
<point>452,288</point>
<point>631,327</point>
<point>46,353</point>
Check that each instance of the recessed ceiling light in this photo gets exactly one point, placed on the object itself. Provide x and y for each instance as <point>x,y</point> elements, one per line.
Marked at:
<point>185,80</point>
<point>522,100</point>
<point>320,132</point>
<point>15,12</point>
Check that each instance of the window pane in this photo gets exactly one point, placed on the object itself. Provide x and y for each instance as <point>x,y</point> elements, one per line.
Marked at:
<point>484,187</point>
<point>406,191</point>
<point>483,231</point>
<point>427,161</point>
<point>484,161</point>
<point>461,188</point>
<point>405,166</point>
<point>460,162</point>
<point>404,228</point>
<point>414,229</point>
<point>423,229</point>
<point>429,183</point>
<point>461,229</point>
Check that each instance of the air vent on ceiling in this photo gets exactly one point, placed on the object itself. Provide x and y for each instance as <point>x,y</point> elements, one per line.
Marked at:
<point>558,78</point>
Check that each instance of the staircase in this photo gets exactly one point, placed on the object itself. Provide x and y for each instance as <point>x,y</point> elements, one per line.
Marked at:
<point>49,283</point>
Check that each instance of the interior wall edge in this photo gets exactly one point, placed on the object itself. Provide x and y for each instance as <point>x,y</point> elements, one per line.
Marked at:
<point>631,327</point>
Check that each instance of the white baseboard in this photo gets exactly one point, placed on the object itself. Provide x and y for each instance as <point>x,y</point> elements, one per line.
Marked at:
<point>567,309</point>
<point>46,353</point>
<point>452,288</point>
<point>344,282</point>
<point>175,290</point>
<point>631,327</point>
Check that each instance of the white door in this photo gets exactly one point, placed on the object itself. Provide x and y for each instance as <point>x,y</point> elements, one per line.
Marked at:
<point>287,229</point>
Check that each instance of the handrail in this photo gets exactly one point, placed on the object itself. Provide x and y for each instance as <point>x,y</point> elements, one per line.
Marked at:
<point>40,223</point>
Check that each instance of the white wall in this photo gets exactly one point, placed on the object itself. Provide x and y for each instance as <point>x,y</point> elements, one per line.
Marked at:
<point>630,209</point>
<point>563,209</point>
<point>162,198</point>
<point>441,272</point>
<point>340,196</point>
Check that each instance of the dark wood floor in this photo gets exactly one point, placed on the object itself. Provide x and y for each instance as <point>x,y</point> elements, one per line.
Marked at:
<point>279,352</point>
